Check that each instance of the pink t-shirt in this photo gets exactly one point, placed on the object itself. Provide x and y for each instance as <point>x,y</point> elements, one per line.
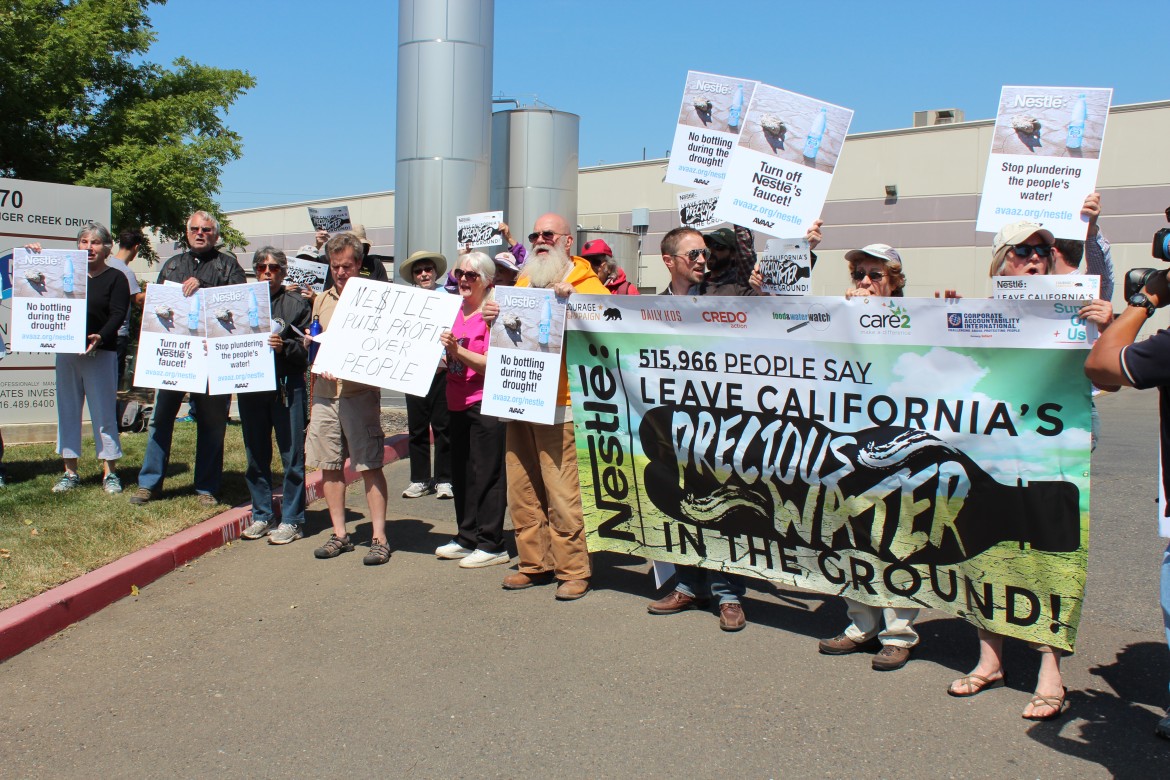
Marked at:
<point>464,386</point>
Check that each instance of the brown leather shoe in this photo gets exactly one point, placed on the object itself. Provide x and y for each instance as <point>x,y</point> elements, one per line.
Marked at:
<point>518,580</point>
<point>843,645</point>
<point>731,616</point>
<point>891,657</point>
<point>570,590</point>
<point>675,601</point>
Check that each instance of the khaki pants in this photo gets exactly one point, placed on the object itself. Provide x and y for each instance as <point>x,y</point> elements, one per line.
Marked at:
<point>891,625</point>
<point>544,497</point>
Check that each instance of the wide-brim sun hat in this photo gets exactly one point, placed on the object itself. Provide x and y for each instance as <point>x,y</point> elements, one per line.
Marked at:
<point>404,270</point>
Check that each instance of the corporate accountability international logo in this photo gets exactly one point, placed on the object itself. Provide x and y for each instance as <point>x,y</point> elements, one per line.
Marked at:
<point>982,322</point>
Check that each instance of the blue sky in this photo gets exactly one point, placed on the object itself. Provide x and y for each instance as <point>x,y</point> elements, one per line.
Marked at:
<point>320,122</point>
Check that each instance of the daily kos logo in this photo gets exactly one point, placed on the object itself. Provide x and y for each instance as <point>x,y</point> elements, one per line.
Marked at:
<point>702,85</point>
<point>1038,101</point>
<point>897,318</point>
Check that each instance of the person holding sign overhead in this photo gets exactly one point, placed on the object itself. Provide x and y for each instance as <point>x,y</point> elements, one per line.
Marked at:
<point>93,375</point>
<point>477,439</point>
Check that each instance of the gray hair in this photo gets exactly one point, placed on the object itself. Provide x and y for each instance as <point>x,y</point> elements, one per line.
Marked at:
<point>481,263</point>
<point>269,253</point>
<point>340,241</point>
<point>205,215</point>
<point>96,230</point>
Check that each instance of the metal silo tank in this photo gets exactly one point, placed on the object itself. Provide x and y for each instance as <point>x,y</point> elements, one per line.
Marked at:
<point>534,165</point>
<point>444,121</point>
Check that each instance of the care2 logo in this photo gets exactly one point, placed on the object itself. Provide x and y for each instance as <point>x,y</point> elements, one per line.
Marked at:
<point>897,318</point>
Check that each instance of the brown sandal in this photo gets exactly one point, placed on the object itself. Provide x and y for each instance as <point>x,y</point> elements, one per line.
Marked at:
<point>974,684</point>
<point>1046,701</point>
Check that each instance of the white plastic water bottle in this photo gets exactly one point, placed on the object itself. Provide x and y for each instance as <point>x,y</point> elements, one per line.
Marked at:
<point>812,142</point>
<point>253,310</point>
<point>67,276</point>
<point>545,327</point>
<point>1076,124</point>
<point>736,108</point>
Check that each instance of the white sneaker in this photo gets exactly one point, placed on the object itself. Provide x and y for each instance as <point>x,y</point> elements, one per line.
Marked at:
<point>444,490</point>
<point>452,550</point>
<point>257,530</point>
<point>417,490</point>
<point>482,558</point>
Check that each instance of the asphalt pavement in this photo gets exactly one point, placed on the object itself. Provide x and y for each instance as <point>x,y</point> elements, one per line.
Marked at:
<point>261,661</point>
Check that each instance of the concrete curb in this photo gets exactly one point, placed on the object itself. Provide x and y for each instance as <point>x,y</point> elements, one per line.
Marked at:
<point>32,621</point>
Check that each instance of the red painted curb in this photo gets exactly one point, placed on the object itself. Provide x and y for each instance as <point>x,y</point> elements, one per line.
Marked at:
<point>29,622</point>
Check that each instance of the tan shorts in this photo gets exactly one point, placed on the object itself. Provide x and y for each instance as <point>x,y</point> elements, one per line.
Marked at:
<point>348,426</point>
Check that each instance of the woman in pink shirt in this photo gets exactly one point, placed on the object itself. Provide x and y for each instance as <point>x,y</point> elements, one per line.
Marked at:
<point>477,440</point>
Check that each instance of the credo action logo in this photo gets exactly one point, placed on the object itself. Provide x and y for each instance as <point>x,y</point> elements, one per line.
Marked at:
<point>732,319</point>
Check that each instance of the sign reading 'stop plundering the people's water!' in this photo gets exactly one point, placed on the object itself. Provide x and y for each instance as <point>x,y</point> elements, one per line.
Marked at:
<point>912,452</point>
<point>386,335</point>
<point>1045,153</point>
<point>48,300</point>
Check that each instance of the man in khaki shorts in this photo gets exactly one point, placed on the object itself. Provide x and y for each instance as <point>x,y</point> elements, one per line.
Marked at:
<point>346,419</point>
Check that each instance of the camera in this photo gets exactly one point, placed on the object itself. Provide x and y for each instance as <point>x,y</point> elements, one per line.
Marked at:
<point>1136,279</point>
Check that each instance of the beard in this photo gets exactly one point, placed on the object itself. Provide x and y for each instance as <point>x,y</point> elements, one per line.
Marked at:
<point>544,269</point>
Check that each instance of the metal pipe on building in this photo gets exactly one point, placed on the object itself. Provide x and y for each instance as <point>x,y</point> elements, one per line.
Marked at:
<point>534,166</point>
<point>444,121</point>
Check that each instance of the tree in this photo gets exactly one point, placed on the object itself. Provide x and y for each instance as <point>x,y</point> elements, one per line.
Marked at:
<point>81,106</point>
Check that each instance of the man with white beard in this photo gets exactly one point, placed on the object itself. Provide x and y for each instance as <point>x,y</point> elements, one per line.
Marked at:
<point>544,491</point>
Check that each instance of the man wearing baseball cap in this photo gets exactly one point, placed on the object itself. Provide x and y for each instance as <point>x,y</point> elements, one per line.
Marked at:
<point>612,275</point>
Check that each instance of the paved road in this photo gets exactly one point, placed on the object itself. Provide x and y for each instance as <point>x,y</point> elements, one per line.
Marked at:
<point>260,661</point>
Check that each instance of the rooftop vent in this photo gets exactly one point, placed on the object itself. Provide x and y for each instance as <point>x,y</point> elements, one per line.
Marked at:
<point>937,116</point>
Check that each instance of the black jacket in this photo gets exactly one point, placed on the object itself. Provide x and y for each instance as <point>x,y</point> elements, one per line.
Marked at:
<point>212,269</point>
<point>290,309</point>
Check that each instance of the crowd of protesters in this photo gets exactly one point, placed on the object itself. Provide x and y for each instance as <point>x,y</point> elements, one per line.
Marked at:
<point>487,466</point>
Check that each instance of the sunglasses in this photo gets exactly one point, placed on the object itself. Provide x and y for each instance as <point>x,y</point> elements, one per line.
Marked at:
<point>547,235</point>
<point>195,229</point>
<point>422,269</point>
<point>874,276</point>
<point>273,267</point>
<point>695,254</point>
<point>1026,250</point>
<point>471,276</point>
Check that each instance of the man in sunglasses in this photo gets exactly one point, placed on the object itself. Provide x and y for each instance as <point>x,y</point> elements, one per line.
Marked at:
<point>281,411</point>
<point>685,255</point>
<point>544,489</point>
<point>202,265</point>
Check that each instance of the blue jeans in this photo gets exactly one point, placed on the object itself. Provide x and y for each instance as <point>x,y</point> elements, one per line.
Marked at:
<point>728,588</point>
<point>1166,592</point>
<point>261,415</point>
<point>211,424</point>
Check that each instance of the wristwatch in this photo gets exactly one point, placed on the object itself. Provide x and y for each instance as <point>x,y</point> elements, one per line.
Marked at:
<point>1140,300</point>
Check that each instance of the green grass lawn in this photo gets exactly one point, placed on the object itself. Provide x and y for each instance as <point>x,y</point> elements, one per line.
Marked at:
<point>48,538</point>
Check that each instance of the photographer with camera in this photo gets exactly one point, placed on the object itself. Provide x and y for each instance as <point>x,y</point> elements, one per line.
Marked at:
<point>1117,361</point>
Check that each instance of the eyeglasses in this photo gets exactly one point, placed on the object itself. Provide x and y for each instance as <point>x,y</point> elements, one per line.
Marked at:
<point>547,235</point>
<point>198,229</point>
<point>422,269</point>
<point>471,276</point>
<point>874,276</point>
<point>1023,251</point>
<point>273,267</point>
<point>695,254</point>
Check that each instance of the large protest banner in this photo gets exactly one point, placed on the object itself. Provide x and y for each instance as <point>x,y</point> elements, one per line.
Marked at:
<point>48,300</point>
<point>171,341</point>
<point>524,355</point>
<point>709,121</point>
<point>1044,158</point>
<point>906,452</point>
<point>386,335</point>
<point>781,167</point>
<point>239,357</point>
<point>1046,287</point>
